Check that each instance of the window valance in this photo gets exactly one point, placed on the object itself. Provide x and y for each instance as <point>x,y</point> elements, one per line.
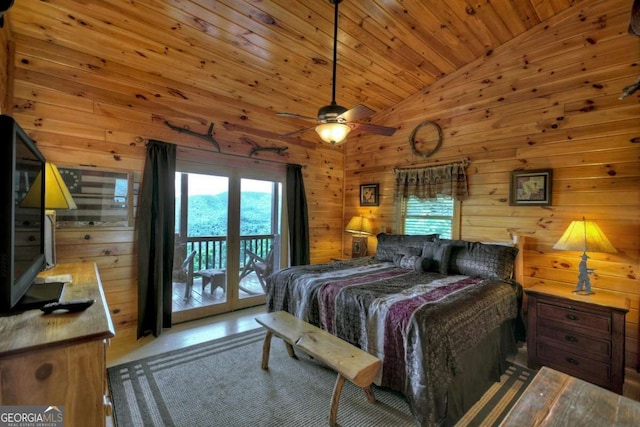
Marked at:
<point>428,183</point>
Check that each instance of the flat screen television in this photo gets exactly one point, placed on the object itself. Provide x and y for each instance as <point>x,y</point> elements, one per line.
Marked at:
<point>22,246</point>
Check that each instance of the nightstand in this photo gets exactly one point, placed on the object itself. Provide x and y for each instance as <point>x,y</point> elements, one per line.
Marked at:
<point>581,335</point>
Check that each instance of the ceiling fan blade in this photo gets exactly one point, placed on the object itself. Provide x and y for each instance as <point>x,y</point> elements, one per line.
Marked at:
<point>295,132</point>
<point>296,116</point>
<point>356,113</point>
<point>375,129</point>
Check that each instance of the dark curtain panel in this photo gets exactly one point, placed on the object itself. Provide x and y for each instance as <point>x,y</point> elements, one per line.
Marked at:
<point>156,232</point>
<point>298,217</point>
<point>634,23</point>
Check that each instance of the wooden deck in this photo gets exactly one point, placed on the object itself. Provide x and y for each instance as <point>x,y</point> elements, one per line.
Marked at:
<point>200,299</point>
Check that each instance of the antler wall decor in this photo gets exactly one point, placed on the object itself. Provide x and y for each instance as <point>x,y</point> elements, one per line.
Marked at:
<point>280,151</point>
<point>209,137</point>
<point>206,136</point>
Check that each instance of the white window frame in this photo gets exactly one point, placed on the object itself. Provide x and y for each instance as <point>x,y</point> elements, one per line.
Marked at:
<point>455,218</point>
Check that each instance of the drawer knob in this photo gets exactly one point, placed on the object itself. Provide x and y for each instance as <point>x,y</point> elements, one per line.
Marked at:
<point>571,317</point>
<point>572,361</point>
<point>570,338</point>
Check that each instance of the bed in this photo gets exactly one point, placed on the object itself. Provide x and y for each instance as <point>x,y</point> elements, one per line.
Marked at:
<point>442,315</point>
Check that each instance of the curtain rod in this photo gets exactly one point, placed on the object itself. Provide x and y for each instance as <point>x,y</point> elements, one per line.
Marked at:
<point>465,162</point>
<point>238,156</point>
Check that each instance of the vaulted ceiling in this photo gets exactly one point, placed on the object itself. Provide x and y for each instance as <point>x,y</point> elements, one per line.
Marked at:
<point>245,60</point>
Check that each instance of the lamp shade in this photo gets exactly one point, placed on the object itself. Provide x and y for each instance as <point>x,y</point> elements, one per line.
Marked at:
<point>56,195</point>
<point>359,225</point>
<point>333,133</point>
<point>584,236</point>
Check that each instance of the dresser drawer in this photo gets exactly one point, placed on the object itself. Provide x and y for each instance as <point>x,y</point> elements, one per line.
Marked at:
<point>572,318</point>
<point>570,340</point>
<point>578,365</point>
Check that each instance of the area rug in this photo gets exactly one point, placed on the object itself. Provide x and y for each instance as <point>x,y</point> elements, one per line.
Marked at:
<point>220,383</point>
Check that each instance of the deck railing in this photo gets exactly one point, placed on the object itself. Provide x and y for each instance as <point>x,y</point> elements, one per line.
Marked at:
<point>211,251</point>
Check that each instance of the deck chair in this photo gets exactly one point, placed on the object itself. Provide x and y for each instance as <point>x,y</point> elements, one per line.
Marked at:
<point>187,268</point>
<point>263,267</point>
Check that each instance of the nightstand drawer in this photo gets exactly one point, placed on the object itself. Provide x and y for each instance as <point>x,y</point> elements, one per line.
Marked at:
<point>572,318</point>
<point>569,340</point>
<point>578,365</point>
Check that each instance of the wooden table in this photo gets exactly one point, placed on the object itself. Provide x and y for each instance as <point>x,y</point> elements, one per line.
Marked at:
<point>557,399</point>
<point>217,278</point>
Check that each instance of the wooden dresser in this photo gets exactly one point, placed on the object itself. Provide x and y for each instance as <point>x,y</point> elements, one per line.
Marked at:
<point>581,335</point>
<point>59,359</point>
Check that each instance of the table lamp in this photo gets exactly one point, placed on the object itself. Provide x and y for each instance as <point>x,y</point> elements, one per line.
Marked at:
<point>584,236</point>
<point>57,196</point>
<point>361,228</point>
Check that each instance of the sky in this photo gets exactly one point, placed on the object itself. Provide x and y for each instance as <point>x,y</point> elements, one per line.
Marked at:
<point>207,184</point>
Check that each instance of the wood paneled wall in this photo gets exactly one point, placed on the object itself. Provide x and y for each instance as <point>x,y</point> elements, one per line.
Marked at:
<point>6,59</point>
<point>548,99</point>
<point>82,116</point>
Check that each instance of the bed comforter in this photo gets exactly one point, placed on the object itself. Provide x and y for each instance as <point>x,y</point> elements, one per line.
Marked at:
<point>417,323</point>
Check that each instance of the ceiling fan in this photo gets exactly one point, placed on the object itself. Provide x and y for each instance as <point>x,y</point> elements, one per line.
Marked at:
<point>335,121</point>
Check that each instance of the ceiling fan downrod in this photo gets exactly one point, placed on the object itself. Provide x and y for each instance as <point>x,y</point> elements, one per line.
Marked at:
<point>335,49</point>
<point>332,111</point>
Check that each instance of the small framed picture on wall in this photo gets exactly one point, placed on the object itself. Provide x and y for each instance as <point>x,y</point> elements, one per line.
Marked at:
<point>369,195</point>
<point>531,188</point>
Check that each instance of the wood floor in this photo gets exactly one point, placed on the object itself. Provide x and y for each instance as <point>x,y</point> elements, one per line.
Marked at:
<point>186,334</point>
<point>197,331</point>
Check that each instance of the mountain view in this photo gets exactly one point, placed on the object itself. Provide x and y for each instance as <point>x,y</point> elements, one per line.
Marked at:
<point>208,214</point>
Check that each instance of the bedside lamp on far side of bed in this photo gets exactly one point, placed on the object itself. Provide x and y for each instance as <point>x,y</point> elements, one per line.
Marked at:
<point>361,229</point>
<point>584,236</point>
<point>57,196</point>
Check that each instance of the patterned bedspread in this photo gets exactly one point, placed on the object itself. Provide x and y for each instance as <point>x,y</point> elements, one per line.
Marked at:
<point>415,322</point>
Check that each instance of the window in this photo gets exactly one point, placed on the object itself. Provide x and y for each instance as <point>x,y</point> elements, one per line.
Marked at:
<point>436,216</point>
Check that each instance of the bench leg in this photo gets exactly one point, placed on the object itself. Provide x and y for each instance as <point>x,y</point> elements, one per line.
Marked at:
<point>266,348</point>
<point>368,391</point>
<point>204,282</point>
<point>290,350</point>
<point>335,400</point>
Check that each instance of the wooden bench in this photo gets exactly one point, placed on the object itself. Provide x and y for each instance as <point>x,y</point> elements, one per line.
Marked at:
<point>350,362</point>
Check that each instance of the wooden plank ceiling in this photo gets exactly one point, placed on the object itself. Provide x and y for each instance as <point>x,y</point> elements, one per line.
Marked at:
<point>241,61</point>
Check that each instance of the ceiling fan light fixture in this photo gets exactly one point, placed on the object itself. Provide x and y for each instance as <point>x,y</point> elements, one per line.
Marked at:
<point>333,133</point>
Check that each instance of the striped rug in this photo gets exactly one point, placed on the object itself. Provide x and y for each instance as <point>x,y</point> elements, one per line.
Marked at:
<point>220,383</point>
<point>494,405</point>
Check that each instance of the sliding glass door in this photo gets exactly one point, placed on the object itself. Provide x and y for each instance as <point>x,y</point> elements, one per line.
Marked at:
<point>228,224</point>
<point>260,219</point>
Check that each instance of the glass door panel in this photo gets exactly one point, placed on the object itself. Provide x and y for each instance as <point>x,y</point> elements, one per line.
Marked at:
<point>260,217</point>
<point>201,229</point>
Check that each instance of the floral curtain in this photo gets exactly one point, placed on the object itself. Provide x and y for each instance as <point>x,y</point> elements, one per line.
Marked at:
<point>430,182</point>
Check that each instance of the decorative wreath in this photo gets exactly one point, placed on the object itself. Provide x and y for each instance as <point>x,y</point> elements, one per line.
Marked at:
<point>412,139</point>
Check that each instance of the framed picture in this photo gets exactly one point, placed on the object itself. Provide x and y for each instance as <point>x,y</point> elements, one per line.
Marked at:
<point>369,195</point>
<point>531,188</point>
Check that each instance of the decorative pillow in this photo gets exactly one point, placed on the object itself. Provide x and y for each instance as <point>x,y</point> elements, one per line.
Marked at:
<point>438,254</point>
<point>483,260</point>
<point>409,250</point>
<point>410,262</point>
<point>390,244</point>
